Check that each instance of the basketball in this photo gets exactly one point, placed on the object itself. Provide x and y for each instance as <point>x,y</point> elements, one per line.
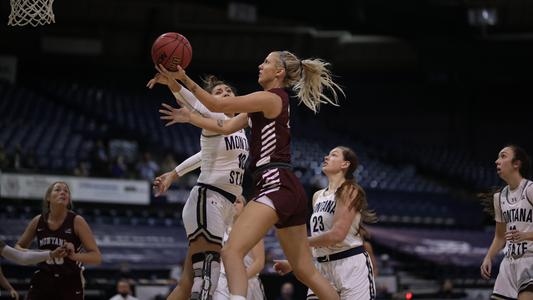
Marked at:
<point>172,49</point>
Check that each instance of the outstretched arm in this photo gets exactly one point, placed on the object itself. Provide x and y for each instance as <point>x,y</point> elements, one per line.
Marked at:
<point>25,257</point>
<point>266,102</point>
<point>183,96</point>
<point>163,182</point>
<point>183,115</point>
<point>31,257</point>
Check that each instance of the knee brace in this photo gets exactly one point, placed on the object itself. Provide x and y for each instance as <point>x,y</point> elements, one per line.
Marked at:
<point>206,270</point>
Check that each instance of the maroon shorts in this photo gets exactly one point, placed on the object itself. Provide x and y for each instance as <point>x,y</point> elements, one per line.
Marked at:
<point>45,286</point>
<point>287,194</point>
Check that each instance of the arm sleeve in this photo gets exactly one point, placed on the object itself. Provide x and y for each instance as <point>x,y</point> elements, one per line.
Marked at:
<point>497,210</point>
<point>193,104</point>
<point>25,257</point>
<point>189,164</point>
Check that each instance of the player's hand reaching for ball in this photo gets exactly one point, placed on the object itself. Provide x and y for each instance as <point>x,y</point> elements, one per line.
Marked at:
<point>179,74</point>
<point>174,115</point>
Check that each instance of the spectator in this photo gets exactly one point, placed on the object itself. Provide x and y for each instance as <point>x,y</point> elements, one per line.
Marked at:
<point>30,161</point>
<point>447,291</point>
<point>123,291</point>
<point>82,169</point>
<point>17,158</point>
<point>382,292</point>
<point>100,160</point>
<point>147,167</point>
<point>386,267</point>
<point>119,169</point>
<point>168,162</point>
<point>4,159</point>
<point>286,291</point>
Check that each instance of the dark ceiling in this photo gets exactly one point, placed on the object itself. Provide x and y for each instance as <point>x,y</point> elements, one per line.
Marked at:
<point>354,35</point>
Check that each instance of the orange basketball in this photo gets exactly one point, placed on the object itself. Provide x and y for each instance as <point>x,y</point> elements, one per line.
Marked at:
<point>172,49</point>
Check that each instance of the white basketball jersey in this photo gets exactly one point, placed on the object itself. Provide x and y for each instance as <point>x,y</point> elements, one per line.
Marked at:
<point>322,221</point>
<point>223,161</point>
<point>223,156</point>
<point>515,209</point>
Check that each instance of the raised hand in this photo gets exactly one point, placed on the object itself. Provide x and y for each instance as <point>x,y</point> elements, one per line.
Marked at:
<point>174,115</point>
<point>179,74</point>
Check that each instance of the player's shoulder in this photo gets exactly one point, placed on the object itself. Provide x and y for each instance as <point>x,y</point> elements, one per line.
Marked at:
<point>317,194</point>
<point>528,185</point>
<point>36,219</point>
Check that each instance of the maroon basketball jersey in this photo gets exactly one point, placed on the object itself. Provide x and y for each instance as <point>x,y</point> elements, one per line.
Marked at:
<point>48,239</point>
<point>271,138</point>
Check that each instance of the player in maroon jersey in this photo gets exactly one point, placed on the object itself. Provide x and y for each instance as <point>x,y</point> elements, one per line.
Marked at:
<point>57,226</point>
<point>279,199</point>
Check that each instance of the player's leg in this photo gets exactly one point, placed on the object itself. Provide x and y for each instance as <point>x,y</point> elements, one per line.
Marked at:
<point>505,287</point>
<point>294,242</point>
<point>205,261</point>
<point>525,277</point>
<point>526,294</point>
<point>183,290</point>
<point>255,289</point>
<point>205,216</point>
<point>253,223</point>
<point>354,277</point>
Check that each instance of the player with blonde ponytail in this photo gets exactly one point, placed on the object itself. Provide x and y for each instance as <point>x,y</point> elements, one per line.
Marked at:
<point>279,197</point>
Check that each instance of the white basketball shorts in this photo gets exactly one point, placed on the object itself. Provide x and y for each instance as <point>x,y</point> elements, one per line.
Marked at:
<point>515,275</point>
<point>207,213</point>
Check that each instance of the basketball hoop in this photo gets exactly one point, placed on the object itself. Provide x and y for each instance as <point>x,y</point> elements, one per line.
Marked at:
<point>33,12</point>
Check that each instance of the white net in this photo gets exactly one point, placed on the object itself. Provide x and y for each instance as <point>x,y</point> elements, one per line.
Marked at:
<point>33,12</point>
